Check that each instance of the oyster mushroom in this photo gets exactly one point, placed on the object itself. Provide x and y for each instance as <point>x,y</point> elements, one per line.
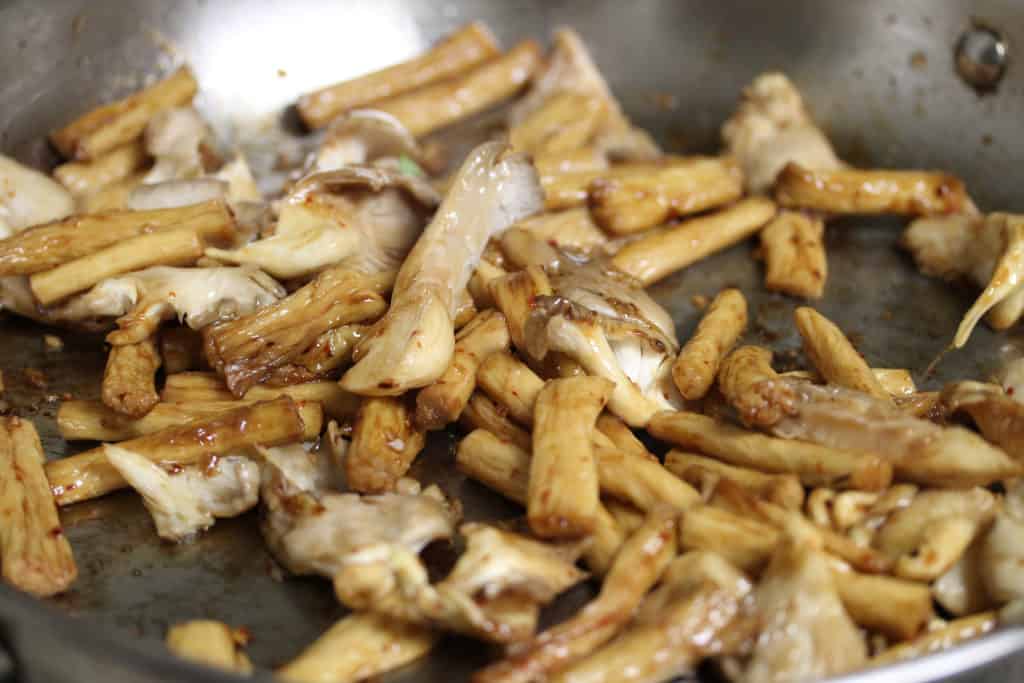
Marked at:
<point>494,591</point>
<point>371,216</point>
<point>362,136</point>
<point>987,251</point>
<point>413,344</point>
<point>312,530</point>
<point>178,139</point>
<point>28,197</point>
<point>806,633</point>
<point>603,319</point>
<point>196,296</point>
<point>186,502</point>
<point>772,128</point>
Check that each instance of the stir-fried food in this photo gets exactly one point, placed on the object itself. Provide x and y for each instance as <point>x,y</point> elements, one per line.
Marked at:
<point>294,350</point>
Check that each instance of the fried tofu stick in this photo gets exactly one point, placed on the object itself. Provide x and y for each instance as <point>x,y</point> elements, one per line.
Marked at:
<point>498,464</point>
<point>897,382</point>
<point>337,403</point>
<point>512,384</point>
<point>855,191</point>
<point>564,492</point>
<point>794,255</point>
<point>896,608</point>
<point>87,177</point>
<point>113,197</point>
<point>358,647</point>
<point>245,351</point>
<point>953,633</point>
<point>833,354</point>
<point>641,482</point>
<point>129,381</point>
<point>784,490</point>
<point>93,421</point>
<point>622,437</point>
<point>522,249</point>
<point>181,349</point>
<point>456,53</point>
<point>723,324</point>
<point>815,465</point>
<point>504,467</point>
<point>637,567</point>
<point>88,475</point>
<point>604,544</point>
<point>514,295</point>
<point>479,286</point>
<point>746,382</point>
<point>746,543</point>
<point>483,413</point>
<point>572,228</point>
<point>205,387</point>
<point>185,387</point>
<point>384,443</point>
<point>563,123</point>
<point>634,201</point>
<point>443,401</point>
<point>590,158</point>
<point>212,643</point>
<point>439,105</point>
<point>112,125</point>
<point>36,555</point>
<point>178,247</point>
<point>45,247</point>
<point>679,623</point>
<point>667,250</point>
<point>626,516</point>
<point>570,189</point>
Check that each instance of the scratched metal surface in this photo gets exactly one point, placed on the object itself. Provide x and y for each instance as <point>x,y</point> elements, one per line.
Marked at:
<point>860,65</point>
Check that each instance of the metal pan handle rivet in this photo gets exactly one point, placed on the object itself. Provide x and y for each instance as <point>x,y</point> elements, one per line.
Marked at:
<point>981,56</point>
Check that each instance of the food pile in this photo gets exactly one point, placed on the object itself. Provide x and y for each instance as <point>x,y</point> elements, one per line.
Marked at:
<point>291,351</point>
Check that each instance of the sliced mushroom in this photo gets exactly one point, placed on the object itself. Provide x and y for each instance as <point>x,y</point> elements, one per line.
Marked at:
<point>806,633</point>
<point>169,194</point>
<point>919,450</point>
<point>362,136</point>
<point>637,361</point>
<point>178,139</point>
<point>28,197</point>
<point>997,415</point>
<point>772,128</point>
<point>233,182</point>
<point>370,216</point>
<point>494,591</point>
<point>197,296</point>
<point>413,344</point>
<point>312,534</point>
<point>988,252</point>
<point>186,502</point>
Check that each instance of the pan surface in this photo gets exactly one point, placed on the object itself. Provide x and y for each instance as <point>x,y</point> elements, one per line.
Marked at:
<point>879,77</point>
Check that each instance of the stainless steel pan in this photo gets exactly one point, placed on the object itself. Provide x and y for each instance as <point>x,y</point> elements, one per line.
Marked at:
<point>880,75</point>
